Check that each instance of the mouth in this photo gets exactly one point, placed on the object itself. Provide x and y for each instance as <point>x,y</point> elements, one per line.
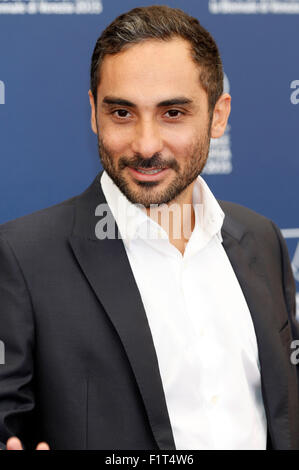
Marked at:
<point>148,174</point>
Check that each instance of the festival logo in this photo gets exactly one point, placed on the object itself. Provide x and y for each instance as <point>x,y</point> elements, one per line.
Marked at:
<point>254,7</point>
<point>220,155</point>
<point>50,7</point>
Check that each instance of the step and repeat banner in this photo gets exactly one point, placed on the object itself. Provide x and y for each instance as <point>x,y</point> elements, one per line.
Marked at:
<point>49,153</point>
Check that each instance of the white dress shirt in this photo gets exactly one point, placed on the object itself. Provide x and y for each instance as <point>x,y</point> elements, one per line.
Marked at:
<point>200,323</point>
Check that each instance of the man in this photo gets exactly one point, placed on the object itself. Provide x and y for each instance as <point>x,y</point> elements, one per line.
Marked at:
<point>174,330</point>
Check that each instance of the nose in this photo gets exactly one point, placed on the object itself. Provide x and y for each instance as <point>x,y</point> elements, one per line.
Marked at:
<point>147,139</point>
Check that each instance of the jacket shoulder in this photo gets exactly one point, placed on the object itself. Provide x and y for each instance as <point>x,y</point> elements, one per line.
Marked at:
<point>240,221</point>
<point>56,219</point>
<point>243,214</point>
<point>242,218</point>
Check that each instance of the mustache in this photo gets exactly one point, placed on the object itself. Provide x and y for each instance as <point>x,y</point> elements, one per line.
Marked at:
<point>155,161</point>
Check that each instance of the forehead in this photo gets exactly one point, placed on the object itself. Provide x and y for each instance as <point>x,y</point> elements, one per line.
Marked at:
<point>151,70</point>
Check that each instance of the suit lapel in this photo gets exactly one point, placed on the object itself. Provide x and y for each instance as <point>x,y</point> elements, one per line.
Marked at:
<point>107,269</point>
<point>241,249</point>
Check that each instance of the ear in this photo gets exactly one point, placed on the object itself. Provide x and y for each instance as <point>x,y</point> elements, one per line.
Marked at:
<point>93,120</point>
<point>220,115</point>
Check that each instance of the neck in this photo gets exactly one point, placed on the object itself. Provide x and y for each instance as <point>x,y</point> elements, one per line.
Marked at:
<point>177,218</point>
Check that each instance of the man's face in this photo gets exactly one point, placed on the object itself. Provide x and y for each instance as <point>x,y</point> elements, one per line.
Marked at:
<point>152,121</point>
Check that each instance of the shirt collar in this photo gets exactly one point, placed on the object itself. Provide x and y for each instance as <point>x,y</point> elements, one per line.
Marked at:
<point>133,222</point>
<point>209,216</point>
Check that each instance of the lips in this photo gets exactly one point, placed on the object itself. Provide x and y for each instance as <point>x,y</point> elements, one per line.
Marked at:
<point>148,174</point>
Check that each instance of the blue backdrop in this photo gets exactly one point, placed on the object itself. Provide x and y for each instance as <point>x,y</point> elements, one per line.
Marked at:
<point>49,153</point>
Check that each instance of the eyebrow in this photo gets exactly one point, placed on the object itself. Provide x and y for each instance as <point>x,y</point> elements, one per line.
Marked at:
<point>180,100</point>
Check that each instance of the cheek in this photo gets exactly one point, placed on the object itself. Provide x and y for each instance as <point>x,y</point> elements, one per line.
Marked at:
<point>181,141</point>
<point>116,141</point>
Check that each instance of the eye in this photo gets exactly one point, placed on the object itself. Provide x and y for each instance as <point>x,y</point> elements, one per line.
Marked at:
<point>121,113</point>
<point>173,113</point>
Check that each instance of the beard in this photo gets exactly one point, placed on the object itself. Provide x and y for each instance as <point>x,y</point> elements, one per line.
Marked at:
<point>145,193</point>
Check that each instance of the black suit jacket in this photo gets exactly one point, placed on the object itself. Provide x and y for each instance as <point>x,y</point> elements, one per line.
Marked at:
<point>81,370</point>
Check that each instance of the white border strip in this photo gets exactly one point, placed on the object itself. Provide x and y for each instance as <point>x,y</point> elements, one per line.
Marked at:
<point>290,232</point>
